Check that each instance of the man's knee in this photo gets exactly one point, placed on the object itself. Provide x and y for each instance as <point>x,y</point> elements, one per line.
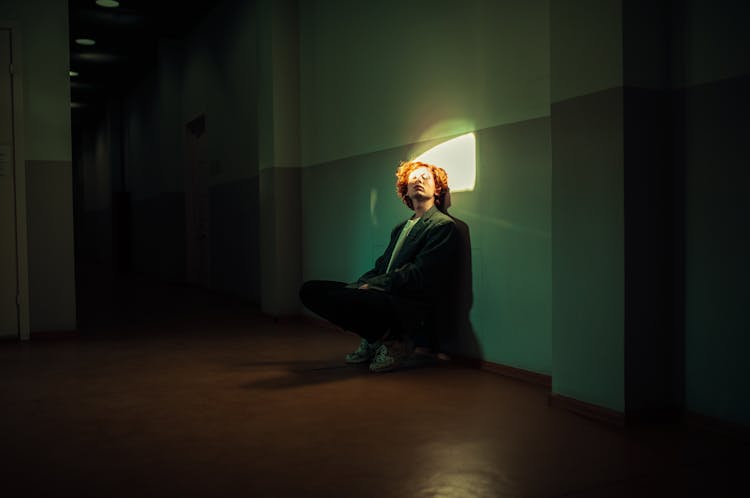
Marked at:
<point>306,291</point>
<point>303,290</point>
<point>313,292</point>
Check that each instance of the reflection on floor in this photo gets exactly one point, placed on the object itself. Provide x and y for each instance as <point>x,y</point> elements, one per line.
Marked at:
<point>171,391</point>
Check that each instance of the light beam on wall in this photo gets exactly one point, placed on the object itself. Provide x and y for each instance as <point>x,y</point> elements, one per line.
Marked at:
<point>458,158</point>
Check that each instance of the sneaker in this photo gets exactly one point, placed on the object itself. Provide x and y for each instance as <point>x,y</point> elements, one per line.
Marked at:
<point>365,352</point>
<point>391,354</point>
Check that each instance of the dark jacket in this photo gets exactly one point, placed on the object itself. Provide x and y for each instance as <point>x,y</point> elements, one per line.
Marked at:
<point>425,260</point>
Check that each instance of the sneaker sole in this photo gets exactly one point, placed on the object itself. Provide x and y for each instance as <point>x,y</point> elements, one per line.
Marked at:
<point>356,362</point>
<point>388,368</point>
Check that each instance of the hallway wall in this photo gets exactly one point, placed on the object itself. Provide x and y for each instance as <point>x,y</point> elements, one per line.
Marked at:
<point>587,202</point>
<point>713,83</point>
<point>212,73</point>
<point>383,83</point>
<point>46,136</point>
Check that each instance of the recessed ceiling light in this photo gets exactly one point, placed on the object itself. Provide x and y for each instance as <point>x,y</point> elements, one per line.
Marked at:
<point>73,73</point>
<point>107,3</point>
<point>98,57</point>
<point>85,41</point>
<point>77,84</point>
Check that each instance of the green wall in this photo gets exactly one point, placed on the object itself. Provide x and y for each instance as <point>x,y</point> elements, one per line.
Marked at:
<point>97,166</point>
<point>601,79</point>
<point>546,88</point>
<point>42,31</point>
<point>213,72</point>
<point>390,73</point>
<point>156,228</point>
<point>713,85</point>
<point>44,42</point>
<point>711,41</point>
<point>587,196</point>
<point>382,83</point>
<point>586,42</point>
<point>219,79</point>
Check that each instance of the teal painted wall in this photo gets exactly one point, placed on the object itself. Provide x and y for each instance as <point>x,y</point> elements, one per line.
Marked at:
<point>588,233</point>
<point>390,73</point>
<point>44,68</point>
<point>41,33</point>
<point>382,83</point>
<point>157,207</point>
<point>710,40</point>
<point>213,72</point>
<point>586,42</point>
<point>588,267</point>
<point>714,80</point>
<point>220,81</point>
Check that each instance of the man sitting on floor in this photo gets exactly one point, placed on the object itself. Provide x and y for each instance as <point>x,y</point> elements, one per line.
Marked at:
<point>386,304</point>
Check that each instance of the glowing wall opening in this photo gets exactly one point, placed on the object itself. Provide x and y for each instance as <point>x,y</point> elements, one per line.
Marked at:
<point>458,158</point>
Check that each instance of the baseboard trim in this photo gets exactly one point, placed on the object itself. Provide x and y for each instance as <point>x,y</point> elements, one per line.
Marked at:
<point>588,410</point>
<point>45,335</point>
<point>697,421</point>
<point>487,366</point>
<point>527,376</point>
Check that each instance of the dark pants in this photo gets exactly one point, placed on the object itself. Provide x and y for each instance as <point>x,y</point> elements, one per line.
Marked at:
<point>366,312</point>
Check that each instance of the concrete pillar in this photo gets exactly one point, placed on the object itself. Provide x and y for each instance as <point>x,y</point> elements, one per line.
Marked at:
<point>615,341</point>
<point>279,161</point>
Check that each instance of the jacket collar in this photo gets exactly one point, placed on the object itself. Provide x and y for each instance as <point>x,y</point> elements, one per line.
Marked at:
<point>421,224</point>
<point>427,214</point>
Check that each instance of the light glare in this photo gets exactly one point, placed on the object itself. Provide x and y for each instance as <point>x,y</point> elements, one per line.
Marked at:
<point>458,158</point>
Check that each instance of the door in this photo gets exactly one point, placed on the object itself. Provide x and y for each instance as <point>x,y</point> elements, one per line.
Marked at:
<point>9,274</point>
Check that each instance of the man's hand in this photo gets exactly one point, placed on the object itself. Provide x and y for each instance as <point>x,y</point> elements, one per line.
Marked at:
<point>364,286</point>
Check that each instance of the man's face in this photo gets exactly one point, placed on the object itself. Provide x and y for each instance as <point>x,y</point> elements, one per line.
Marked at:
<point>421,184</point>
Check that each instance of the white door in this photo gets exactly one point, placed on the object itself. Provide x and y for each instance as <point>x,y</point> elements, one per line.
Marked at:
<point>9,281</point>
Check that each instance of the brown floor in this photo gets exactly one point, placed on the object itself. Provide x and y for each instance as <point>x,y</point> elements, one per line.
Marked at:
<point>170,391</point>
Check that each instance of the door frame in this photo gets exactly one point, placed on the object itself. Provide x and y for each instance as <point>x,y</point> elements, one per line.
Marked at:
<point>19,170</point>
<point>197,185</point>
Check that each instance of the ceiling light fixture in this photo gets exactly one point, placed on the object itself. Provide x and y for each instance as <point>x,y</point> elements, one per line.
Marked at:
<point>98,57</point>
<point>107,3</point>
<point>85,41</point>
<point>72,73</point>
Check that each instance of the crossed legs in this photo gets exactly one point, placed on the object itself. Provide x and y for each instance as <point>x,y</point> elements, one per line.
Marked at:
<point>366,312</point>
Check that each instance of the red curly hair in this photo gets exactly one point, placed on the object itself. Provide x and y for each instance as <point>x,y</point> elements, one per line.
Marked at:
<point>438,174</point>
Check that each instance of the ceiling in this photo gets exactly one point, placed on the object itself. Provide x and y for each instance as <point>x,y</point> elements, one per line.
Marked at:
<point>126,44</point>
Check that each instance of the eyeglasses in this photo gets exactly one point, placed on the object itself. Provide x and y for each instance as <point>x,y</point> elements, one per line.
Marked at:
<point>426,176</point>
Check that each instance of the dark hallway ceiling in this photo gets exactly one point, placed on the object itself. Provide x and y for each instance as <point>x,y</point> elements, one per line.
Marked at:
<point>126,44</point>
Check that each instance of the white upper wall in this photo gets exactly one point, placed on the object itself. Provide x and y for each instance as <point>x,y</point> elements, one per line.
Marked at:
<point>376,75</point>
<point>715,39</point>
<point>43,29</point>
